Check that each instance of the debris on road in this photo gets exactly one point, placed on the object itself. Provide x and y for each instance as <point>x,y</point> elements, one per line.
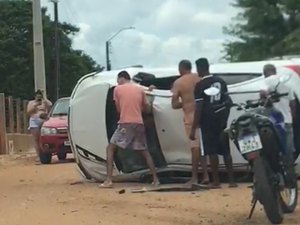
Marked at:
<point>171,187</point>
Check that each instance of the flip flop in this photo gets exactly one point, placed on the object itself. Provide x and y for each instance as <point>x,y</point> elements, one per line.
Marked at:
<point>105,185</point>
<point>155,184</point>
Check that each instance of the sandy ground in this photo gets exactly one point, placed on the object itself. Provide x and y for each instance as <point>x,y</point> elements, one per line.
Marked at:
<point>44,195</point>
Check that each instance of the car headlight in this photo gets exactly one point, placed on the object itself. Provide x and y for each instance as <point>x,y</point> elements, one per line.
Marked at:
<point>48,131</point>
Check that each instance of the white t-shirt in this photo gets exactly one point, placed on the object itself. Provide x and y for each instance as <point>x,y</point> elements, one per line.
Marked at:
<point>284,102</point>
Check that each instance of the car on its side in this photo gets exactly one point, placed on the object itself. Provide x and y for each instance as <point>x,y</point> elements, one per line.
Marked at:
<point>54,139</point>
<point>93,118</point>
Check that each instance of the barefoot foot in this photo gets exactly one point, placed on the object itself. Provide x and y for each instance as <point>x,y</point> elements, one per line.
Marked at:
<point>192,182</point>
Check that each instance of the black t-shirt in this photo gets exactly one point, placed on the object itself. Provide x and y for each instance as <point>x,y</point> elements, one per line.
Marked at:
<point>213,106</point>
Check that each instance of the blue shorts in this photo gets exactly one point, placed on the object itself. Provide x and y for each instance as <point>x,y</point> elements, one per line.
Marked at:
<point>35,122</point>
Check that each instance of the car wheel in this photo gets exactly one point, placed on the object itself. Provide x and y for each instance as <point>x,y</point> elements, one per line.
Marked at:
<point>61,155</point>
<point>45,158</point>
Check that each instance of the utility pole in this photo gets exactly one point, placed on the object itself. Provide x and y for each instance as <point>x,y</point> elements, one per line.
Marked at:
<point>38,47</point>
<point>108,65</point>
<point>57,58</point>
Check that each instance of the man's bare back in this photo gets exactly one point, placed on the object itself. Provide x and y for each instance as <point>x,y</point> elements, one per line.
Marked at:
<point>185,86</point>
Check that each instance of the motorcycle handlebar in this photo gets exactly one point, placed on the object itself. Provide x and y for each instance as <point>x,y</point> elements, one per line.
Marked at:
<point>282,95</point>
<point>248,105</point>
<point>256,103</point>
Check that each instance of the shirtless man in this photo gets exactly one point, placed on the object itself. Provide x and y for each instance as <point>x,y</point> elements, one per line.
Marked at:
<point>130,101</point>
<point>38,110</point>
<point>183,88</point>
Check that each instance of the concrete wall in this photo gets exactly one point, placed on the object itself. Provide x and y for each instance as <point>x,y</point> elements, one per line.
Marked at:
<point>19,143</point>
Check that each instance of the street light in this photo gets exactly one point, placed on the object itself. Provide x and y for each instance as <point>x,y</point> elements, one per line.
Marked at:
<point>108,42</point>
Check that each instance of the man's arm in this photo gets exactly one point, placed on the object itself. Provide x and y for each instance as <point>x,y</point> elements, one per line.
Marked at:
<point>293,108</point>
<point>199,98</point>
<point>176,104</point>
<point>116,99</point>
<point>197,114</point>
<point>147,107</point>
<point>292,103</point>
<point>31,108</point>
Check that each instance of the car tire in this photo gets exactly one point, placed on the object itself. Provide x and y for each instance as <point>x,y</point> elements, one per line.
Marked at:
<point>45,158</point>
<point>61,155</point>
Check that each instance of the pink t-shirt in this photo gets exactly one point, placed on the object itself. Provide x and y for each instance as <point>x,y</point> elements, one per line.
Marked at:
<point>129,99</point>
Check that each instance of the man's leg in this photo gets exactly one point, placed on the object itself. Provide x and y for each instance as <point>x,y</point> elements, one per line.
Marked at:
<point>214,163</point>
<point>228,162</point>
<point>195,165</point>
<point>151,166</point>
<point>198,144</point>
<point>225,150</point>
<point>209,147</point>
<point>289,159</point>
<point>36,139</point>
<point>120,139</point>
<point>139,143</point>
<point>205,178</point>
<point>196,158</point>
<point>110,151</point>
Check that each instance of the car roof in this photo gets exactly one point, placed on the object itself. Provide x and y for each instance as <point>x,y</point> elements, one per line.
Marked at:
<point>240,67</point>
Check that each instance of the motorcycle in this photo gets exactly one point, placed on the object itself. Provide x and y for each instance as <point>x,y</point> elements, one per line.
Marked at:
<point>259,135</point>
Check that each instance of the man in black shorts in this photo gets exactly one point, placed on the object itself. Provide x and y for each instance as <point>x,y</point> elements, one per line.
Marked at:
<point>211,117</point>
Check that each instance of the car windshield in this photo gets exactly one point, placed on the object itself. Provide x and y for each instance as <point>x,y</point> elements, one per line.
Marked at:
<point>61,108</point>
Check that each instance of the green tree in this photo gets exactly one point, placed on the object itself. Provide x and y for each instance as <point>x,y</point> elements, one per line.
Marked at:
<point>16,52</point>
<point>263,29</point>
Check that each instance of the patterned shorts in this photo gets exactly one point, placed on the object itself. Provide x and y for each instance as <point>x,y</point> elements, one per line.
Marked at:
<point>130,135</point>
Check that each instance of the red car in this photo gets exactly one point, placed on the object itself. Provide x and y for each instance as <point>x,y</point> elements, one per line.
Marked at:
<point>54,139</point>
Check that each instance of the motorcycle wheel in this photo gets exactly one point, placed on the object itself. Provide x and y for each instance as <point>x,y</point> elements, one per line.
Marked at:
<point>289,198</point>
<point>265,192</point>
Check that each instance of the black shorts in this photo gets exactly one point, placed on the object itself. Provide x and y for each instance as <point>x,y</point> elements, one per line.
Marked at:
<point>214,141</point>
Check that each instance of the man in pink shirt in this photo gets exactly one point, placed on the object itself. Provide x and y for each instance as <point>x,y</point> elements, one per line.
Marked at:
<point>130,101</point>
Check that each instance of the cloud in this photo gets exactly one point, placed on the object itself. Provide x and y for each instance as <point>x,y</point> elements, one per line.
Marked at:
<point>80,40</point>
<point>166,31</point>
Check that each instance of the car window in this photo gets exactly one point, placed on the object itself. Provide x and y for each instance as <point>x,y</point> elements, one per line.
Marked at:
<point>234,78</point>
<point>61,107</point>
<point>162,83</point>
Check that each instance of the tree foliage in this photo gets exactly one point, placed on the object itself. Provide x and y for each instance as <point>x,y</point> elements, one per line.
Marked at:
<point>264,29</point>
<point>16,52</point>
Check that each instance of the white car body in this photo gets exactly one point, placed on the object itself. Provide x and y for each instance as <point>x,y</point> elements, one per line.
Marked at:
<point>89,119</point>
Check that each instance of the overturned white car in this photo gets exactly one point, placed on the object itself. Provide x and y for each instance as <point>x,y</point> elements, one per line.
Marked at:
<point>93,118</point>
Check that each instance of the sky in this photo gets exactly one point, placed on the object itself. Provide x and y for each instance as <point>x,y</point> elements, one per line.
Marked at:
<point>166,31</point>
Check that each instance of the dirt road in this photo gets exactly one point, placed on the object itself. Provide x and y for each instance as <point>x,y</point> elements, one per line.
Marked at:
<point>43,195</point>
